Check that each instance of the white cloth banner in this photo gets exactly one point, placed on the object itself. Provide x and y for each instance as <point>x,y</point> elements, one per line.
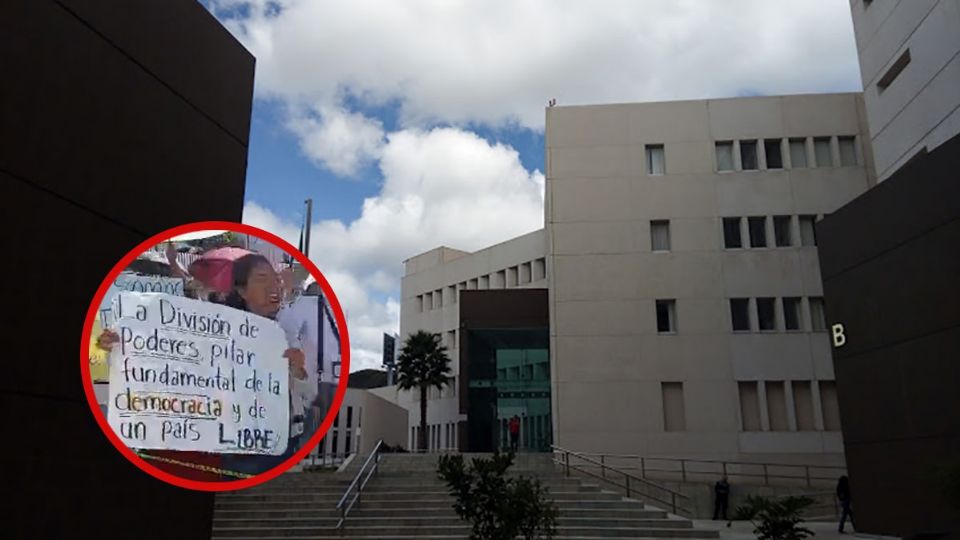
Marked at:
<point>192,375</point>
<point>128,281</point>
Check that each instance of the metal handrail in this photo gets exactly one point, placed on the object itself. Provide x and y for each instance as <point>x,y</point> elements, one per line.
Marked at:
<point>343,506</point>
<point>670,497</point>
<point>725,466</point>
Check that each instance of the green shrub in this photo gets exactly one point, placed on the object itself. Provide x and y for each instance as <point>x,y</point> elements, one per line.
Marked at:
<point>775,518</point>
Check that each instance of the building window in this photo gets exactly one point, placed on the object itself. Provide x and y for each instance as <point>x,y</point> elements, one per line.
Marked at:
<point>660,235</point>
<point>821,151</point>
<point>848,151</point>
<point>512,274</point>
<point>782,231</point>
<point>798,153</point>
<point>484,282</point>
<point>413,437</point>
<point>336,420</point>
<point>758,231</point>
<point>895,69</point>
<point>829,406</point>
<point>803,406</point>
<point>525,273</point>
<point>791,313</point>
<point>349,417</point>
<point>731,233</point>
<point>674,416</point>
<point>724,151</point>
<point>766,314</point>
<point>749,406</point>
<point>472,285</point>
<point>808,235</point>
<point>451,339</point>
<point>740,314</point>
<point>748,155</point>
<point>777,406</point>
<point>346,443</point>
<point>419,301</point>
<point>539,269</point>
<point>818,317</point>
<point>500,280</point>
<point>666,316</point>
<point>655,159</point>
<point>774,156</point>
<point>453,293</point>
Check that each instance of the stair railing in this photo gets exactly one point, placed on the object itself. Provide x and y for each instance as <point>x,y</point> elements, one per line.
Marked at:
<point>360,480</point>
<point>633,485</point>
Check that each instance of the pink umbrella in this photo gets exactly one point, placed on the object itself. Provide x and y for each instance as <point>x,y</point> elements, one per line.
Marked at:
<point>215,268</point>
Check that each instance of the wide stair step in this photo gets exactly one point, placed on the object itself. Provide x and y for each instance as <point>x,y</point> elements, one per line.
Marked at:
<point>407,500</point>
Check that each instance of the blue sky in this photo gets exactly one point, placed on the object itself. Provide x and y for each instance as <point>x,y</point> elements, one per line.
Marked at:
<point>420,123</point>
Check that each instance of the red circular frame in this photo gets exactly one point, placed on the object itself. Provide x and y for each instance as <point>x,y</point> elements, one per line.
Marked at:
<point>200,485</point>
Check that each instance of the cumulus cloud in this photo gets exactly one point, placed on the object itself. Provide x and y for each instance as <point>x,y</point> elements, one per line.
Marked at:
<point>498,62</point>
<point>340,140</point>
<point>444,186</point>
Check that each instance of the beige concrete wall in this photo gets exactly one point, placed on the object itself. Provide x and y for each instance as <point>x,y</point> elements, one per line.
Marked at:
<point>371,418</point>
<point>608,360</point>
<point>921,108</point>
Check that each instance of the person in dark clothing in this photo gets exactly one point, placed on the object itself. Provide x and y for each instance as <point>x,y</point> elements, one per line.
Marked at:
<point>843,495</point>
<point>514,426</point>
<point>721,494</point>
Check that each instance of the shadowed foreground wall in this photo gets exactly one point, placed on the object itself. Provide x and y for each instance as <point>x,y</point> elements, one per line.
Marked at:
<point>891,268</point>
<point>117,120</point>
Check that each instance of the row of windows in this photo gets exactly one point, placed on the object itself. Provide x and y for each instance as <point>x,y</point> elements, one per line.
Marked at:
<point>774,314</point>
<point>439,436</point>
<point>448,391</point>
<point>775,397</point>
<point>514,276</point>
<point>786,231</point>
<point>336,435</point>
<point>769,154</point>
<point>771,315</point>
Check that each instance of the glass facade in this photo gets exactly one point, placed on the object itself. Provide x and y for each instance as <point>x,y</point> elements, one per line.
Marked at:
<point>509,377</point>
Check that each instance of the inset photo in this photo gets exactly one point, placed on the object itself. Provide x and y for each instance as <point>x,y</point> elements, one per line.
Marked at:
<point>212,356</point>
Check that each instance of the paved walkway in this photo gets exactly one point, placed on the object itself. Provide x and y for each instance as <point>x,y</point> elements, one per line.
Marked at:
<point>743,530</point>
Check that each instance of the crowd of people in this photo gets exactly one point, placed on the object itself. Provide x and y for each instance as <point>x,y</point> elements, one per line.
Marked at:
<point>262,288</point>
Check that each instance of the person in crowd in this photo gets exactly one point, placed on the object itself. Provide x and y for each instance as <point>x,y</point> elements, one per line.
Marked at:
<point>843,495</point>
<point>514,427</point>
<point>721,498</point>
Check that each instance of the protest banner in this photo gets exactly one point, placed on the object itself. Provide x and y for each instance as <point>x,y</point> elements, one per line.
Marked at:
<point>128,281</point>
<point>197,376</point>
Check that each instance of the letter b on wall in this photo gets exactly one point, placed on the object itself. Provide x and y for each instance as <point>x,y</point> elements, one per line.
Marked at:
<point>839,338</point>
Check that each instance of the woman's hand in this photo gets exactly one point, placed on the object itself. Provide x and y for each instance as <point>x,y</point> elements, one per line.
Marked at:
<point>297,361</point>
<point>107,339</point>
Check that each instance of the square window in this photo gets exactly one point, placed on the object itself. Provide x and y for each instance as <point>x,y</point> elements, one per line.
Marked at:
<point>766,318</point>
<point>808,234</point>
<point>758,231</point>
<point>748,155</point>
<point>791,313</point>
<point>798,153</point>
<point>660,235</point>
<point>848,151</point>
<point>666,316</point>
<point>781,231</point>
<point>724,151</point>
<point>818,317</point>
<point>821,151</point>
<point>740,314</point>
<point>655,159</point>
<point>774,156</point>
<point>731,233</point>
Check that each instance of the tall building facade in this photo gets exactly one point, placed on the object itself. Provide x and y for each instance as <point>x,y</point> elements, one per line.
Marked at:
<point>685,310</point>
<point>910,66</point>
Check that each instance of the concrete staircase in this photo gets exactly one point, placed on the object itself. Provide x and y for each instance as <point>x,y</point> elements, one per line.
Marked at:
<point>406,499</point>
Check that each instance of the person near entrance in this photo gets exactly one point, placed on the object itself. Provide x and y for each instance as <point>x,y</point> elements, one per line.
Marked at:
<point>514,427</point>
<point>721,494</point>
<point>843,494</point>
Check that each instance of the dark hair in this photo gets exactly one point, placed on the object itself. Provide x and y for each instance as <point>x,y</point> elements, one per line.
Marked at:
<point>242,268</point>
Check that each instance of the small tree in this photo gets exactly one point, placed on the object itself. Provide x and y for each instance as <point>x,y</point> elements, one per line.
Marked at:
<point>775,518</point>
<point>498,507</point>
<point>423,363</point>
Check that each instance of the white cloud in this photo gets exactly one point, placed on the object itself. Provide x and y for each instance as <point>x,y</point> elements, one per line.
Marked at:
<point>441,187</point>
<point>499,61</point>
<point>341,140</point>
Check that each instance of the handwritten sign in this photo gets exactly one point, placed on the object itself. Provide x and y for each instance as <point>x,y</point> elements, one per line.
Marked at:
<point>192,375</point>
<point>128,281</point>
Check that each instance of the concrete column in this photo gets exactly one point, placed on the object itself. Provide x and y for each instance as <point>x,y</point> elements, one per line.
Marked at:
<point>764,411</point>
<point>771,234</point>
<point>791,406</point>
<point>785,152</point>
<point>835,150</point>
<point>737,164</point>
<point>761,155</point>
<point>811,153</point>
<point>744,233</point>
<point>817,405</point>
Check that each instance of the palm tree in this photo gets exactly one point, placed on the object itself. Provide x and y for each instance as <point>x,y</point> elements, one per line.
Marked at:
<point>423,363</point>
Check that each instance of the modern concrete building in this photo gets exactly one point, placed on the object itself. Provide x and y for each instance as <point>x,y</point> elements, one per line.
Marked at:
<point>685,305</point>
<point>910,65</point>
